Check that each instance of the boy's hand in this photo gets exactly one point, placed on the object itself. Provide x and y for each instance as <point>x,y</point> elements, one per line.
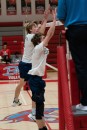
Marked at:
<point>47,12</point>
<point>54,13</point>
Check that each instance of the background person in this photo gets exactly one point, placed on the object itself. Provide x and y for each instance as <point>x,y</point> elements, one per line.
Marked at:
<point>16,58</point>
<point>5,54</point>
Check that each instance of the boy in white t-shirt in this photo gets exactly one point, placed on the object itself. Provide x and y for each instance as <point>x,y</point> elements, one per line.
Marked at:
<point>37,84</point>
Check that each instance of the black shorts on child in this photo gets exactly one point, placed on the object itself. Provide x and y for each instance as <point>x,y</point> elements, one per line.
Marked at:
<point>37,86</point>
<point>23,70</point>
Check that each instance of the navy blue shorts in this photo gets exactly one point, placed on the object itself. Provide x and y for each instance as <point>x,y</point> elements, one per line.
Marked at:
<point>23,70</point>
<point>37,86</point>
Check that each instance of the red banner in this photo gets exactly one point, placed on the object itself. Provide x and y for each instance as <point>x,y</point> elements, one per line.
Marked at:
<point>26,7</point>
<point>9,71</point>
<point>40,6</point>
<point>53,3</point>
<point>11,7</point>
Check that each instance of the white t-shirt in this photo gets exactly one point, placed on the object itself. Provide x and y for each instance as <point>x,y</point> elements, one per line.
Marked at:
<point>28,49</point>
<point>39,60</point>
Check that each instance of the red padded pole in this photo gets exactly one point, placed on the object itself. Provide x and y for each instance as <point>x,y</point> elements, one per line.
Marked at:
<point>60,102</point>
<point>62,68</point>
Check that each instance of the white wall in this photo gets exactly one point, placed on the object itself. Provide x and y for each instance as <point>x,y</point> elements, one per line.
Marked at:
<point>20,18</point>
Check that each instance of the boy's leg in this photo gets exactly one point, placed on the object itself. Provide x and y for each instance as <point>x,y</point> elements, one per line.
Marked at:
<point>19,86</point>
<point>16,101</point>
<point>39,115</point>
<point>40,110</point>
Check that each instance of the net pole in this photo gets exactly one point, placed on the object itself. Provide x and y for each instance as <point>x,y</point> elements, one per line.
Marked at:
<point>62,68</point>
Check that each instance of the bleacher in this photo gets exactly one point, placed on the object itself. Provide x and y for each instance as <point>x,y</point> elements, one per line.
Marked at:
<point>14,43</point>
<point>10,29</point>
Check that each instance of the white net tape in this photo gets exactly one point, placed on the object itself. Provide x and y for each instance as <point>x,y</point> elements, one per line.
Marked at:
<point>52,67</point>
<point>58,23</point>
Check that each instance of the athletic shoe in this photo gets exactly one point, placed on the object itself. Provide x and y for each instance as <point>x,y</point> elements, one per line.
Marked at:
<point>32,117</point>
<point>81,107</point>
<point>18,103</point>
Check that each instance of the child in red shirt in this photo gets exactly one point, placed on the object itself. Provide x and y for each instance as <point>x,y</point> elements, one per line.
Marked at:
<point>5,53</point>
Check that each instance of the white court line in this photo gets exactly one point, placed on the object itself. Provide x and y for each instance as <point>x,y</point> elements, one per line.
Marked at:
<point>22,97</point>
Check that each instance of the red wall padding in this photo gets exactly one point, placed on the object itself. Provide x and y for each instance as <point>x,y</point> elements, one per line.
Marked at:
<point>15,43</point>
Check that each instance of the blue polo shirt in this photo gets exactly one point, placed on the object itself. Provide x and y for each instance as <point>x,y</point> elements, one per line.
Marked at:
<point>72,12</point>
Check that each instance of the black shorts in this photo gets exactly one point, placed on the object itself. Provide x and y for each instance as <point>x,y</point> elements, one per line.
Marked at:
<point>23,70</point>
<point>37,86</point>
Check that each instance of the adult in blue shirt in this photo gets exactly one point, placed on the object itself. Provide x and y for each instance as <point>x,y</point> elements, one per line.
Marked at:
<point>73,14</point>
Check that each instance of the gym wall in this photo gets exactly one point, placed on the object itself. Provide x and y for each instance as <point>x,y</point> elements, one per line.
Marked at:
<point>19,16</point>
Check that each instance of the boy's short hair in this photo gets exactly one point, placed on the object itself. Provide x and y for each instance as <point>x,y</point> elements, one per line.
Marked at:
<point>29,26</point>
<point>36,38</point>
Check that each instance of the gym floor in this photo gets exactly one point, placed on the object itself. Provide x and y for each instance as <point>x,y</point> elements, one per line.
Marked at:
<point>16,118</point>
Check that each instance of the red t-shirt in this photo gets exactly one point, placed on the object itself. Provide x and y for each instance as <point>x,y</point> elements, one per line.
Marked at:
<point>5,52</point>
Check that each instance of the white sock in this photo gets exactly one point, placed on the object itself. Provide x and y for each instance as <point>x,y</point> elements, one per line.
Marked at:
<point>34,111</point>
